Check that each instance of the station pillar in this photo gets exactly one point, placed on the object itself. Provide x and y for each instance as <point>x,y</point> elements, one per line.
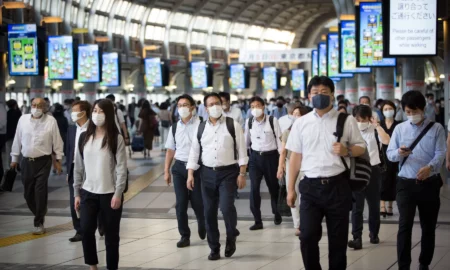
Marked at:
<point>351,90</point>
<point>366,86</point>
<point>413,75</point>
<point>384,78</point>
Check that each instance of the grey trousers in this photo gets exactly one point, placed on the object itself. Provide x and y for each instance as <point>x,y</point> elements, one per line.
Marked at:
<point>35,175</point>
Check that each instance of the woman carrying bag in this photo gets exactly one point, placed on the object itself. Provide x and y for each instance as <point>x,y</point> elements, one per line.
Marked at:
<point>99,181</point>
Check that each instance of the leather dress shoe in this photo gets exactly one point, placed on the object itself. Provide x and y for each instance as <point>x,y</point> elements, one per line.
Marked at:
<point>356,244</point>
<point>76,238</point>
<point>256,226</point>
<point>214,256</point>
<point>184,242</point>
<point>230,247</point>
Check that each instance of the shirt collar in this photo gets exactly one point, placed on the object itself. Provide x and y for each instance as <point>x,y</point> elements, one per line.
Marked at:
<point>331,113</point>
<point>189,122</point>
<point>44,115</point>
<point>220,120</point>
<point>262,121</point>
<point>84,125</point>
<point>425,122</point>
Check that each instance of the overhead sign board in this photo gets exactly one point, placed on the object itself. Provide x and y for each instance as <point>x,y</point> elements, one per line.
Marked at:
<point>275,56</point>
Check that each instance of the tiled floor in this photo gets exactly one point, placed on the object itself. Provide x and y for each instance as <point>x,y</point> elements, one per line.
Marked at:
<point>149,235</point>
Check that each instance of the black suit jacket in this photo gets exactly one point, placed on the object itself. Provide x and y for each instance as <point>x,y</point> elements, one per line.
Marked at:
<point>70,145</point>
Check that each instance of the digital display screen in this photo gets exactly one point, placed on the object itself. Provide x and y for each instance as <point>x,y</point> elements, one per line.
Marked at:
<point>23,50</point>
<point>153,74</point>
<point>88,64</point>
<point>298,79</point>
<point>237,75</point>
<point>110,70</point>
<point>60,58</point>
<point>333,55</point>
<point>314,63</point>
<point>270,78</point>
<point>322,58</point>
<point>347,52</point>
<point>199,78</point>
<point>371,36</point>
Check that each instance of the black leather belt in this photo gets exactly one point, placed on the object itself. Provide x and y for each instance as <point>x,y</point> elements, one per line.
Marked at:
<point>417,181</point>
<point>37,158</point>
<point>182,162</point>
<point>265,153</point>
<point>326,180</point>
<point>223,168</point>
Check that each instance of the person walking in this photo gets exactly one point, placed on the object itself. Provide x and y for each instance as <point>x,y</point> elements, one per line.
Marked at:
<point>99,182</point>
<point>325,189</point>
<point>166,122</point>
<point>147,126</point>
<point>12,120</point>
<point>219,146</point>
<point>37,137</point>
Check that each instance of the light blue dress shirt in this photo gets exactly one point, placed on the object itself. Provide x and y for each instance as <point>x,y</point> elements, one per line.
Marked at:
<point>430,150</point>
<point>277,112</point>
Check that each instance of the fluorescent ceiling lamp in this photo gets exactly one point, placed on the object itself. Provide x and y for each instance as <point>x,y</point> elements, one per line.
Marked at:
<point>101,39</point>
<point>14,5</point>
<point>442,76</point>
<point>52,19</point>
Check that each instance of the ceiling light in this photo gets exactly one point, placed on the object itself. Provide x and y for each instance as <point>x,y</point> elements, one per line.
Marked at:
<point>442,76</point>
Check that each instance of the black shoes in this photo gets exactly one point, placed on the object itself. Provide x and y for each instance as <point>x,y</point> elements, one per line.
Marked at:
<point>374,239</point>
<point>214,255</point>
<point>355,244</point>
<point>76,238</point>
<point>184,242</point>
<point>230,248</point>
<point>202,233</point>
<point>277,219</point>
<point>423,267</point>
<point>256,226</point>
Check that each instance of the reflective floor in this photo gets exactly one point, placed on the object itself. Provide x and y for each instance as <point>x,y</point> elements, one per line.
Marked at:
<point>149,233</point>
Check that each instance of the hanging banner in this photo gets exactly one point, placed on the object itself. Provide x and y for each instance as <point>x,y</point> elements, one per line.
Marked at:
<point>275,56</point>
<point>418,85</point>
<point>386,91</point>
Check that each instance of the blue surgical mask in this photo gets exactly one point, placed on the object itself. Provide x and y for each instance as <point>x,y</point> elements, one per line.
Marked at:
<point>321,102</point>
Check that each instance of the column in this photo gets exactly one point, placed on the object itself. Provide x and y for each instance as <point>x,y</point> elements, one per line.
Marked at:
<point>89,91</point>
<point>226,79</point>
<point>413,75</point>
<point>339,88</point>
<point>67,91</point>
<point>351,90</point>
<point>139,88</point>
<point>366,86</point>
<point>37,87</point>
<point>384,79</point>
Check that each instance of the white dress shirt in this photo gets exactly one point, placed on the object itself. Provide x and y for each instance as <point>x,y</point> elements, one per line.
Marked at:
<point>80,129</point>
<point>36,138</point>
<point>236,114</point>
<point>184,135</point>
<point>217,146</point>
<point>285,122</point>
<point>261,137</point>
<point>313,137</point>
<point>372,146</point>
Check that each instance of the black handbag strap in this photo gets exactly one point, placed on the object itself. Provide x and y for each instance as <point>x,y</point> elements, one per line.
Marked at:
<point>418,139</point>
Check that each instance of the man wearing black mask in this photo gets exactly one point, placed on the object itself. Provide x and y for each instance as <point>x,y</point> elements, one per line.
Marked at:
<point>280,110</point>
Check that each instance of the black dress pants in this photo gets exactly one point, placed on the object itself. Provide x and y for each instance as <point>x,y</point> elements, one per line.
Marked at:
<point>91,205</point>
<point>184,196</point>
<point>330,198</point>
<point>73,213</point>
<point>423,195</point>
<point>263,166</point>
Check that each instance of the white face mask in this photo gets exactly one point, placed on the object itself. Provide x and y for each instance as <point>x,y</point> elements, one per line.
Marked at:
<point>98,119</point>
<point>36,112</point>
<point>414,119</point>
<point>184,112</point>
<point>363,126</point>
<point>389,114</point>
<point>257,112</point>
<point>438,105</point>
<point>75,116</point>
<point>215,111</point>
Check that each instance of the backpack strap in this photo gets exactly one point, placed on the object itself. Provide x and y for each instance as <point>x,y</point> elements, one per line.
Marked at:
<point>81,140</point>
<point>230,126</point>
<point>174,131</point>
<point>340,132</point>
<point>272,126</point>
<point>416,142</point>
<point>201,128</point>
<point>250,122</point>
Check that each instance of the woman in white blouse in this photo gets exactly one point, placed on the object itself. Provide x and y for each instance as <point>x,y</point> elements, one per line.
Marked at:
<point>99,182</point>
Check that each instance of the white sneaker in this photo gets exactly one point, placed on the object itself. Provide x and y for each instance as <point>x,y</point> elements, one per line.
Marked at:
<point>39,230</point>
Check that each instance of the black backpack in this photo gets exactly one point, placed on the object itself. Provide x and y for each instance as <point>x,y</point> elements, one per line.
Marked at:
<point>174,130</point>
<point>230,127</point>
<point>81,148</point>
<point>360,169</point>
<point>250,125</point>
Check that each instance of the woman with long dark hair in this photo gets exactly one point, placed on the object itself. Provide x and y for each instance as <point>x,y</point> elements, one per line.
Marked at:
<point>99,181</point>
<point>147,126</point>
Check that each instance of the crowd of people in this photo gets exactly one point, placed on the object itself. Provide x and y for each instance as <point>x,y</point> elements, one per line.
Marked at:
<point>307,146</point>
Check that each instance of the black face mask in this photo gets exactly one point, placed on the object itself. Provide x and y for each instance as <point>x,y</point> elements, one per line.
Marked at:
<point>321,102</point>
<point>280,105</point>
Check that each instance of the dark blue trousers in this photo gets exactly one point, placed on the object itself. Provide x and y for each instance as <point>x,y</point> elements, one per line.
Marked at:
<point>332,199</point>
<point>73,213</point>
<point>184,196</point>
<point>218,189</point>
<point>372,195</point>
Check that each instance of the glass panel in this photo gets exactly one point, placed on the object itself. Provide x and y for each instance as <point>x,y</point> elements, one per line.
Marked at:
<point>105,5</point>
<point>86,19</point>
<point>218,41</point>
<point>239,29</point>
<point>255,31</point>
<point>236,43</point>
<point>221,26</point>
<point>178,36</point>
<point>74,15</point>
<point>123,8</point>
<point>89,5</point>
<point>44,4</point>
<point>202,23</point>
<point>252,44</point>
<point>181,20</point>
<point>62,10</point>
<point>139,13</point>
<point>155,32</point>
<point>119,27</point>
<point>135,30</point>
<point>271,34</point>
<point>199,38</point>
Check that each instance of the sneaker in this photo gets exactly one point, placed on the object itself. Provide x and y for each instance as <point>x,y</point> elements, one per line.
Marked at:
<point>39,230</point>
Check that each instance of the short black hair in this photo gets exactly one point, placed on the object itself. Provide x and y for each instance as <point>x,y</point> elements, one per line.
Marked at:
<point>111,97</point>
<point>414,100</point>
<point>188,97</point>
<point>225,95</point>
<point>340,97</point>
<point>321,80</point>
<point>164,106</point>
<point>258,99</point>
<point>378,102</point>
<point>362,111</point>
<point>388,103</point>
<point>368,98</point>
<point>431,95</point>
<point>211,95</point>
<point>342,107</point>
<point>342,102</point>
<point>281,98</point>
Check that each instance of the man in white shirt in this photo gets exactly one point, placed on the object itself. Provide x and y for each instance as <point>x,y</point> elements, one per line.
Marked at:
<point>178,147</point>
<point>287,120</point>
<point>80,115</point>
<point>325,190</point>
<point>223,159</point>
<point>229,111</point>
<point>262,135</point>
<point>37,137</point>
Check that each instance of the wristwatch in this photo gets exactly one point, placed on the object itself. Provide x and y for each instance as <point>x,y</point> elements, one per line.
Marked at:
<point>349,153</point>
<point>242,174</point>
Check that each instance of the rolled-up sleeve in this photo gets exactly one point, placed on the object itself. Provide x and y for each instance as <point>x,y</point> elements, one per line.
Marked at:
<point>194,154</point>
<point>58,145</point>
<point>121,167</point>
<point>170,142</point>
<point>392,151</point>
<point>17,143</point>
<point>247,135</point>
<point>294,142</point>
<point>241,145</point>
